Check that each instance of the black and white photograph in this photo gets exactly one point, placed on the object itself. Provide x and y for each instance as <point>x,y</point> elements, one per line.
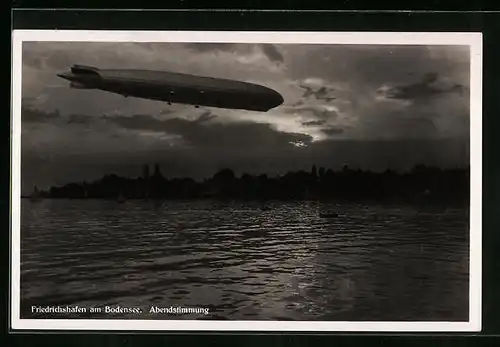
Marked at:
<point>246,181</point>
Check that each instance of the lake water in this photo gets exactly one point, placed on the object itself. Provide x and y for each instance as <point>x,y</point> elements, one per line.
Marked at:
<point>243,262</point>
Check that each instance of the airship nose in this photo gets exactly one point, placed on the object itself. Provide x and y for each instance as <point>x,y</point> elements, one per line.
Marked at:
<point>277,99</point>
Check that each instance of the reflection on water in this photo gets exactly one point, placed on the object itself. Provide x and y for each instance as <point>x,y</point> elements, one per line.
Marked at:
<point>245,262</point>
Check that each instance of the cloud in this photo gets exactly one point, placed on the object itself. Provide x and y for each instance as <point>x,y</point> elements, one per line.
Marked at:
<point>205,117</point>
<point>428,87</point>
<point>210,47</point>
<point>323,112</point>
<point>318,88</point>
<point>322,93</point>
<point>313,123</point>
<point>30,115</point>
<point>272,53</point>
<point>79,119</point>
<point>399,124</point>
<point>332,131</point>
<point>373,65</point>
<point>166,112</point>
<point>210,135</point>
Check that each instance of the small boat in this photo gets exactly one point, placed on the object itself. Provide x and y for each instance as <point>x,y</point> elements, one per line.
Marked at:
<point>328,214</point>
<point>265,208</point>
<point>120,198</point>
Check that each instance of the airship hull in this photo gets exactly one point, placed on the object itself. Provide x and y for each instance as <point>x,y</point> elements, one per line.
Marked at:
<point>176,88</point>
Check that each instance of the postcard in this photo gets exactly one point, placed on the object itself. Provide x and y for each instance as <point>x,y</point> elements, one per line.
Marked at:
<point>246,181</point>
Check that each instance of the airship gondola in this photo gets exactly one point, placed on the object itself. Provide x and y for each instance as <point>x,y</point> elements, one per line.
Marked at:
<point>174,87</point>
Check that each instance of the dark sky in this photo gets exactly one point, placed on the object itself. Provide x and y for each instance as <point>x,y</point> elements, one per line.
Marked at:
<point>367,106</point>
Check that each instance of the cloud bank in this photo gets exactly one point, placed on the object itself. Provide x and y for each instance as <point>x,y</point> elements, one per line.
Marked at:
<point>361,95</point>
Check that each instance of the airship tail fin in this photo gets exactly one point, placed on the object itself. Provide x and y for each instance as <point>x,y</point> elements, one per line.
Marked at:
<point>84,69</point>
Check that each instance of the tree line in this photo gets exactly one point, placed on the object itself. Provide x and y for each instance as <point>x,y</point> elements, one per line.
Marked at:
<point>420,184</point>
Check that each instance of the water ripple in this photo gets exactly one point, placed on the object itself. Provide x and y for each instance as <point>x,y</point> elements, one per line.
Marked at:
<point>370,263</point>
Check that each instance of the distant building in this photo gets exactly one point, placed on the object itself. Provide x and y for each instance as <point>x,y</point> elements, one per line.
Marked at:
<point>145,171</point>
<point>157,172</point>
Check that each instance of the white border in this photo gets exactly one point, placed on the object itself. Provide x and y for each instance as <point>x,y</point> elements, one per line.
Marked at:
<point>473,40</point>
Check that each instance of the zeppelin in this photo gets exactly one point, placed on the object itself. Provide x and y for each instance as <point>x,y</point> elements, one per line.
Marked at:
<point>173,87</point>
